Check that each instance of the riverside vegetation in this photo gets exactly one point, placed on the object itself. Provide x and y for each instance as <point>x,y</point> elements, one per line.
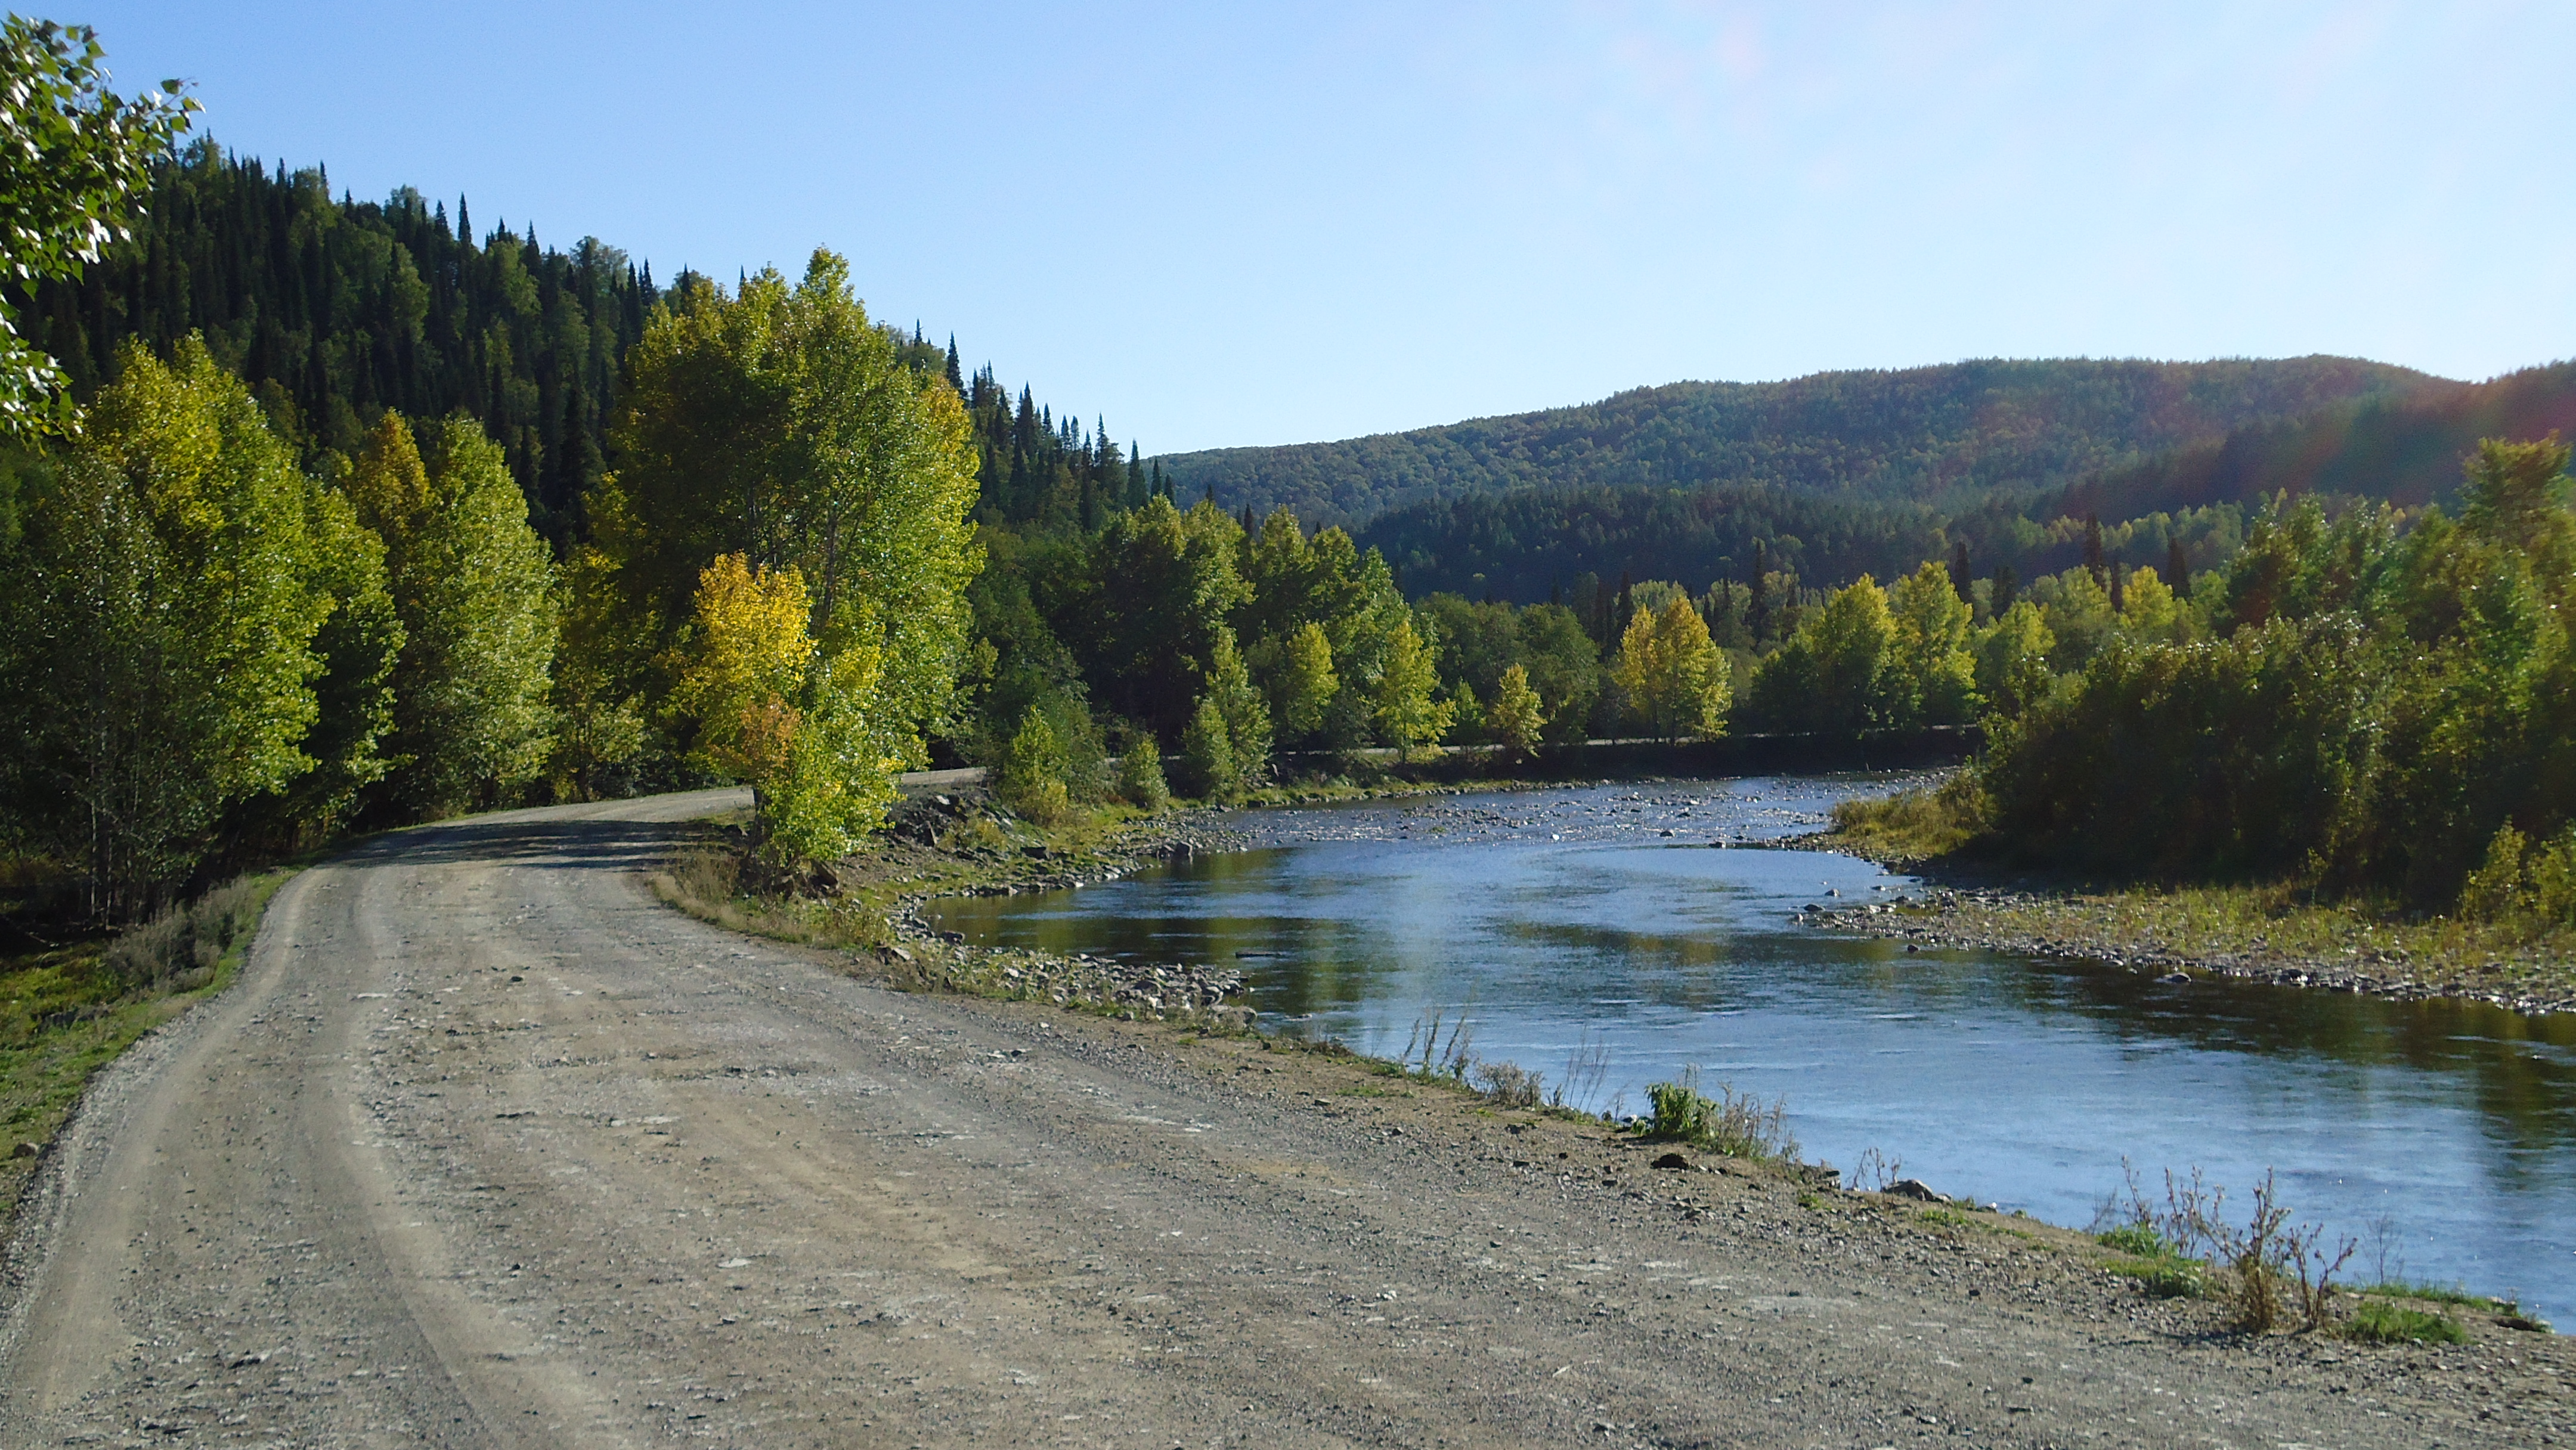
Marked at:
<point>2353,758</point>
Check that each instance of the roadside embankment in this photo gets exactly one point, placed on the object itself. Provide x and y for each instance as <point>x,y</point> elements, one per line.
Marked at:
<point>74,1005</point>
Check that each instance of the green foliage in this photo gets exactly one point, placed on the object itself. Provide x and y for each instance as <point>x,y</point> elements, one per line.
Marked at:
<point>2164,1276</point>
<point>1914,825</point>
<point>73,156</point>
<point>333,309</point>
<point>1832,675</point>
<point>2138,1240</point>
<point>2012,659</point>
<point>1737,1125</point>
<point>1302,681</point>
<point>1140,775</point>
<point>2377,1321</point>
<point>158,638</point>
<point>1147,611</point>
<point>1516,716</point>
<point>1208,767</point>
<point>599,719</point>
<point>779,423</point>
<point>474,590</point>
<point>1032,779</point>
<point>1675,681</point>
<point>1407,709</point>
<point>1247,719</point>
<point>1933,677</point>
<point>2379,710</point>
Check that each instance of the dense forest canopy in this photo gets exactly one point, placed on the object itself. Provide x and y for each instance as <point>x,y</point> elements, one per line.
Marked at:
<point>1922,434</point>
<point>335,310</point>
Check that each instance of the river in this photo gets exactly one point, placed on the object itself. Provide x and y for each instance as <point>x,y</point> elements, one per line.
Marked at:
<point>1607,921</point>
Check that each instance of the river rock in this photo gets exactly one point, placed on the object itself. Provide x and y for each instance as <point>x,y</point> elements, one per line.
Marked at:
<point>1916,1189</point>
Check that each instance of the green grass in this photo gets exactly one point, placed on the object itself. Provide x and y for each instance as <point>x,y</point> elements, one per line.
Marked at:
<point>2163,1277</point>
<point>2138,1241</point>
<point>2378,1321</point>
<point>2435,1294</point>
<point>65,1013</point>
<point>1946,1217</point>
<point>1911,825</point>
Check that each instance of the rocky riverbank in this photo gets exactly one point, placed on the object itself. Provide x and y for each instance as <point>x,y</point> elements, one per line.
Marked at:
<point>2212,933</point>
<point>948,844</point>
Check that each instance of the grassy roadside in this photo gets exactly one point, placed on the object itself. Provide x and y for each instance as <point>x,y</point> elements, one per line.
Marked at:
<point>69,1009</point>
<point>2273,931</point>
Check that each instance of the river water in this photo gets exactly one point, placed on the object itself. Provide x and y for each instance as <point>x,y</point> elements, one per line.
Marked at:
<point>2437,1135</point>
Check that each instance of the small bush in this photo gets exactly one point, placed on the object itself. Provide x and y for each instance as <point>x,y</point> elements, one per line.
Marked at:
<point>1208,766</point>
<point>1140,775</point>
<point>2379,1322</point>
<point>1737,1125</point>
<point>1509,1085</point>
<point>180,949</point>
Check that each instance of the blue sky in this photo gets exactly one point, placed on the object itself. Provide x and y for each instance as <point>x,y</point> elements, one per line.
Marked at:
<point>1249,223</point>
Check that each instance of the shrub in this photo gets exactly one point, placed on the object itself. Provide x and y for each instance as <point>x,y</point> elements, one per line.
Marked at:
<point>1033,769</point>
<point>1207,754</point>
<point>1140,775</point>
<point>1737,1125</point>
<point>1509,1085</point>
<point>180,948</point>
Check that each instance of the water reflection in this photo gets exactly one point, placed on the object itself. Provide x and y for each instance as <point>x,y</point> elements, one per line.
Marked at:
<point>1606,913</point>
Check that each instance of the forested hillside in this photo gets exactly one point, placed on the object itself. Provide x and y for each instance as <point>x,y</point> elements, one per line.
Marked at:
<point>336,310</point>
<point>1923,434</point>
<point>1529,544</point>
<point>2404,449</point>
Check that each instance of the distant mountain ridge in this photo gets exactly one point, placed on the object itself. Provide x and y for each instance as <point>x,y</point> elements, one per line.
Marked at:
<point>1922,434</point>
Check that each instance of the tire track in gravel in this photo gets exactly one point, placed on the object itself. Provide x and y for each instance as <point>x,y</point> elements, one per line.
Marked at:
<point>486,1147</point>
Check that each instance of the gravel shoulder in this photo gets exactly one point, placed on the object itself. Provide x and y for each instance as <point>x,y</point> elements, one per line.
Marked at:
<point>486,1146</point>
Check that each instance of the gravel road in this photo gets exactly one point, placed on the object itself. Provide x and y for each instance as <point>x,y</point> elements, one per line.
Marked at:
<point>486,1147</point>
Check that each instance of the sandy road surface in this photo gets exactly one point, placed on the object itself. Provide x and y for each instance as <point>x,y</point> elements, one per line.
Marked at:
<point>488,1148</point>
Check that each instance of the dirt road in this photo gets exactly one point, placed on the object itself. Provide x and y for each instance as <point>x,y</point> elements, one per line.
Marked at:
<point>487,1147</point>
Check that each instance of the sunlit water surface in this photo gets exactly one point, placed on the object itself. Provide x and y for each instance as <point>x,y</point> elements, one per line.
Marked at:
<point>2437,1135</point>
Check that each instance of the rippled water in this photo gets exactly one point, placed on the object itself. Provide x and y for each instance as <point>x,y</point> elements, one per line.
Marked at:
<point>2438,1135</point>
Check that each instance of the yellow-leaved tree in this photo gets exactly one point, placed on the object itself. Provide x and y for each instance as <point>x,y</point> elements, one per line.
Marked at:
<point>1674,676</point>
<point>808,732</point>
<point>778,424</point>
<point>1408,710</point>
<point>743,670</point>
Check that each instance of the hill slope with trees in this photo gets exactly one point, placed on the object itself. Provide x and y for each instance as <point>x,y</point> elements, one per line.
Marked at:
<point>1921,433</point>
